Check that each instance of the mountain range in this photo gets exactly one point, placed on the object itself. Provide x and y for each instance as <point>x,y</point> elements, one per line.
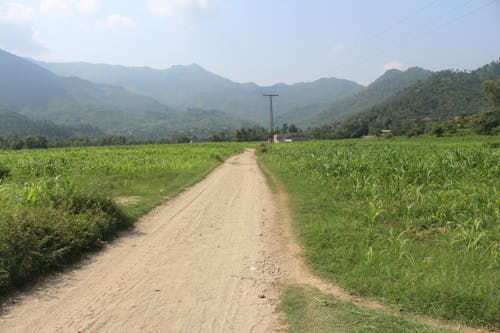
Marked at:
<point>95,99</point>
<point>192,86</point>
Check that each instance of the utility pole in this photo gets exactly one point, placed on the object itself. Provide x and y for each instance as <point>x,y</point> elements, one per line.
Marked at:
<point>271,112</point>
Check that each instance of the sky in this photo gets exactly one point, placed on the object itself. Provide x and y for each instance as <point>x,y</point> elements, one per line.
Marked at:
<point>261,41</point>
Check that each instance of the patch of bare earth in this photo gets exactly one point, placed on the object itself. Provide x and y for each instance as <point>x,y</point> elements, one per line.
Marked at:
<point>127,200</point>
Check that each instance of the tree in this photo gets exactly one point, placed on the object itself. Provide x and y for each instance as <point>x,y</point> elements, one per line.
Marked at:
<point>488,122</point>
<point>284,128</point>
<point>292,128</point>
<point>438,131</point>
<point>492,91</point>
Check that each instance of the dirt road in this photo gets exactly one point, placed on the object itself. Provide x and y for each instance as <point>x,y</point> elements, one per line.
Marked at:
<point>203,262</point>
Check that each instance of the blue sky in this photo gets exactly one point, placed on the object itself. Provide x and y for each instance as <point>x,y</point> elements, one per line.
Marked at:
<point>258,41</point>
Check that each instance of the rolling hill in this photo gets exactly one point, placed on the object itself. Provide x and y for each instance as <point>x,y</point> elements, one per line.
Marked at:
<point>40,95</point>
<point>184,87</point>
<point>385,86</point>
<point>444,95</point>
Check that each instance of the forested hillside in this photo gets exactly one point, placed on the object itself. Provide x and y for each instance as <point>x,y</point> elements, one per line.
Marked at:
<point>15,124</point>
<point>445,95</point>
<point>66,105</point>
<point>385,86</point>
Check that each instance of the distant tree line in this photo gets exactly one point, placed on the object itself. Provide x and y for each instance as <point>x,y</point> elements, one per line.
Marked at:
<point>381,117</point>
<point>256,133</point>
<point>243,134</point>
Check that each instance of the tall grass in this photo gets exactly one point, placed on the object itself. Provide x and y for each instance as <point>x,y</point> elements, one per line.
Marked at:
<point>415,223</point>
<point>56,204</point>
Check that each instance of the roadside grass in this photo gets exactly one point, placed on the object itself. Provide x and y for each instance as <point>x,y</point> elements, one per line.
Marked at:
<point>149,190</point>
<point>308,310</point>
<point>413,223</point>
<point>57,204</point>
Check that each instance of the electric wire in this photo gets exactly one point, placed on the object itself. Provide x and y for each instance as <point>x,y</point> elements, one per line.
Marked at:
<point>397,42</point>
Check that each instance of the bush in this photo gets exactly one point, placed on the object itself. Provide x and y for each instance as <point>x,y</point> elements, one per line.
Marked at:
<point>51,226</point>
<point>4,172</point>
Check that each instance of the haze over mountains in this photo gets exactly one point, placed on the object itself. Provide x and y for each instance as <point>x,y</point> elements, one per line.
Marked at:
<point>70,99</point>
<point>192,86</point>
<point>385,86</point>
<point>41,95</point>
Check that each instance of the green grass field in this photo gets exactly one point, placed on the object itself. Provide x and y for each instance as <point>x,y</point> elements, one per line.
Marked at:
<point>56,204</point>
<point>413,223</point>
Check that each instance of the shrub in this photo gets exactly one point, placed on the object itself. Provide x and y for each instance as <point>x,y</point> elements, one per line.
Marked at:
<point>4,172</point>
<point>51,228</point>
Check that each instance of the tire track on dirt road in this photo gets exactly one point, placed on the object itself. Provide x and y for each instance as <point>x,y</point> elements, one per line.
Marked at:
<point>212,259</point>
<point>198,263</point>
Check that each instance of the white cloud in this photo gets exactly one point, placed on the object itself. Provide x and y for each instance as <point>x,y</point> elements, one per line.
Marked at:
<point>65,7</point>
<point>20,38</point>
<point>55,7</point>
<point>16,13</point>
<point>116,22</point>
<point>178,7</point>
<point>87,6</point>
<point>395,64</point>
<point>36,38</point>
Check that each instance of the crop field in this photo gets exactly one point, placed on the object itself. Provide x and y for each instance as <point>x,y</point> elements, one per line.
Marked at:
<point>56,204</point>
<point>414,223</point>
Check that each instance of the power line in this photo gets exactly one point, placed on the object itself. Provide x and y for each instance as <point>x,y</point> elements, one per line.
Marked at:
<point>396,40</point>
<point>395,24</point>
<point>437,27</point>
<point>416,34</point>
<point>404,19</point>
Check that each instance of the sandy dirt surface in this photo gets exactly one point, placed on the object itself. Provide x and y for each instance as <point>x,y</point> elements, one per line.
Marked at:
<point>200,263</point>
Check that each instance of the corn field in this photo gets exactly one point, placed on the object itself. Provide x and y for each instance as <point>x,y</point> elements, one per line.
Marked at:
<point>413,222</point>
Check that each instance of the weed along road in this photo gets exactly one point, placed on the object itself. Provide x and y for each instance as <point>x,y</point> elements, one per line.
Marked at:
<point>199,263</point>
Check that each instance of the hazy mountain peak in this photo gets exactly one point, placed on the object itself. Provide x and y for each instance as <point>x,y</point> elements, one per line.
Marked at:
<point>412,74</point>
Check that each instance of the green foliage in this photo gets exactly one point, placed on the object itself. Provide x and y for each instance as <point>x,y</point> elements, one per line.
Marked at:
<point>4,172</point>
<point>417,109</point>
<point>56,203</point>
<point>392,82</point>
<point>15,124</point>
<point>412,222</point>
<point>49,223</point>
<point>251,134</point>
<point>492,92</point>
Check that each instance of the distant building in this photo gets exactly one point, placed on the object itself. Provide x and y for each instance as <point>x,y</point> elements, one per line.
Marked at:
<point>290,137</point>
